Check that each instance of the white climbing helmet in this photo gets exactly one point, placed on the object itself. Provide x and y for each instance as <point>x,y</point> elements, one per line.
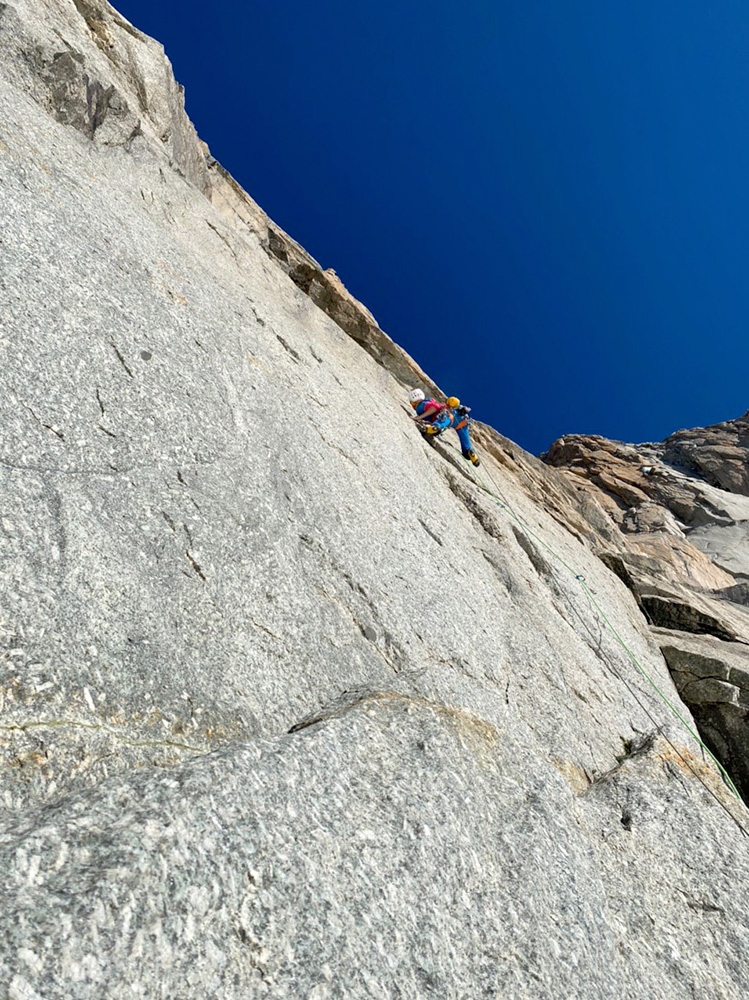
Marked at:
<point>415,396</point>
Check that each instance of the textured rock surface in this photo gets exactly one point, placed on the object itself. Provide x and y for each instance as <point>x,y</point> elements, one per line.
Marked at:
<point>389,850</point>
<point>682,508</point>
<point>712,677</point>
<point>694,533</point>
<point>717,453</point>
<point>291,705</point>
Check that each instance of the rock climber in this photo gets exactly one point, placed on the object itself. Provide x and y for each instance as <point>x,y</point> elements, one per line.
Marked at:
<point>437,417</point>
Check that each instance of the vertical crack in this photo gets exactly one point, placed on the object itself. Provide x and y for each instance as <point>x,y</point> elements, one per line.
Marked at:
<point>121,359</point>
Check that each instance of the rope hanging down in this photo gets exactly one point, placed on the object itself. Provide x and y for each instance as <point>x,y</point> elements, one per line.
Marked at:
<point>502,502</point>
<point>579,577</point>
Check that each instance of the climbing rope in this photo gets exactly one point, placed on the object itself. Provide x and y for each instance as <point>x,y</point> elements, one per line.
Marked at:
<point>502,502</point>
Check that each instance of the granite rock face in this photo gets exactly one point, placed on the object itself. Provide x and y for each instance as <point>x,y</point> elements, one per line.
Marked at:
<point>292,703</point>
<point>717,454</point>
<point>388,849</point>
<point>712,677</point>
<point>682,510</point>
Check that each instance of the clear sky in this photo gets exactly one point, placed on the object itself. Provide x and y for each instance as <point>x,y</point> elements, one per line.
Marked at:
<point>545,202</point>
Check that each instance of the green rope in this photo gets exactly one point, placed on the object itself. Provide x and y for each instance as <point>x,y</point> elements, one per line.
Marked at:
<point>663,697</point>
<point>502,502</point>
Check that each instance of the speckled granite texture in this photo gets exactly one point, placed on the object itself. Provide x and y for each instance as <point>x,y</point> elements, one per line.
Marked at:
<point>289,706</point>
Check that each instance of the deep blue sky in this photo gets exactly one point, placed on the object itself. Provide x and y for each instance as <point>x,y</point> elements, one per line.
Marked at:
<point>546,202</point>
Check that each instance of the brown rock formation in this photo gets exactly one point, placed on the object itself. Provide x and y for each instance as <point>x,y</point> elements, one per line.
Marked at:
<point>681,510</point>
<point>716,453</point>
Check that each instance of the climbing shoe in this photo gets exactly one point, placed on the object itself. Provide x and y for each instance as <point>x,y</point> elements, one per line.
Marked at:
<point>471,455</point>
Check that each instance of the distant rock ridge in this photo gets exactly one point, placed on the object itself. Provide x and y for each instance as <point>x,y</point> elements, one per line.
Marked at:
<point>682,507</point>
<point>717,453</point>
<point>293,704</point>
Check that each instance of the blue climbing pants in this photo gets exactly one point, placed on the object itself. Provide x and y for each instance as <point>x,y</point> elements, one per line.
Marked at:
<point>448,418</point>
<point>461,429</point>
